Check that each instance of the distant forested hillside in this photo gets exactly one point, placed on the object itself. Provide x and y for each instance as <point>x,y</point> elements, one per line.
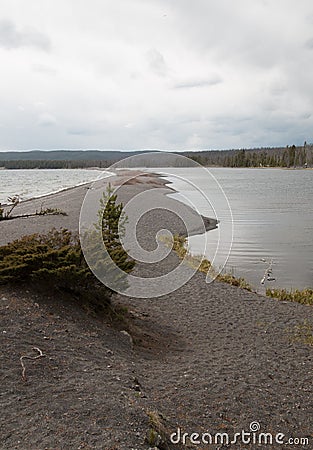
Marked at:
<point>53,164</point>
<point>62,159</point>
<point>67,155</point>
<point>290,156</point>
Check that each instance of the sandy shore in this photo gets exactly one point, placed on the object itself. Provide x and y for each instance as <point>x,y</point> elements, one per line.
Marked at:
<point>206,357</point>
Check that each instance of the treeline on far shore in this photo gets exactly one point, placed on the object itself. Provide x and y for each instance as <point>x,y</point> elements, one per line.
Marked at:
<point>53,164</point>
<point>290,156</point>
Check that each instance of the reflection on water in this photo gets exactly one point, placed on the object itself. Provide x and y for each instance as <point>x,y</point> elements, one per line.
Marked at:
<point>273,218</point>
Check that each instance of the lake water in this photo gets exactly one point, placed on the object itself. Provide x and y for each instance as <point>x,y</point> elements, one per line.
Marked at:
<point>35,183</point>
<point>272,218</point>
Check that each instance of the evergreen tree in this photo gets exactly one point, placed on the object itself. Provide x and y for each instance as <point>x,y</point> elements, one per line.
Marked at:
<point>111,222</point>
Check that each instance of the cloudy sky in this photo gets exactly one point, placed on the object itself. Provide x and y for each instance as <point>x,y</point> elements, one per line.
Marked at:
<point>166,74</point>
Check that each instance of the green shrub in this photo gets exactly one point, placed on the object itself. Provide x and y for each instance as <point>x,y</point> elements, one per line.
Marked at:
<point>56,259</point>
<point>53,260</point>
<point>55,255</point>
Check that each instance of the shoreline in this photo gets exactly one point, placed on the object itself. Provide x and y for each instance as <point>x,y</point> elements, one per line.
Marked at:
<point>49,194</point>
<point>35,197</point>
<point>211,167</point>
<point>100,169</point>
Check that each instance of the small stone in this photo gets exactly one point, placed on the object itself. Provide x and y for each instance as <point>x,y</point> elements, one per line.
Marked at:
<point>129,338</point>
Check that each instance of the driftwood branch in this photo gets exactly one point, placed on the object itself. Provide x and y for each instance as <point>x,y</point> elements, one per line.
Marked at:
<point>6,214</point>
<point>40,355</point>
<point>268,274</point>
<point>45,212</point>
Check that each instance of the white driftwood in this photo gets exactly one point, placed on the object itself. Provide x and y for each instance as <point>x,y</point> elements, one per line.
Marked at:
<point>41,355</point>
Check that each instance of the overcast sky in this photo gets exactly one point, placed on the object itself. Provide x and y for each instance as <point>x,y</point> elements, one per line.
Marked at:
<point>165,74</point>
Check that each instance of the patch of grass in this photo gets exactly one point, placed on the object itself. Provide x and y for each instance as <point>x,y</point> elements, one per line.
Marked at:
<point>305,297</point>
<point>303,333</point>
<point>178,243</point>
<point>158,434</point>
<point>234,281</point>
<point>152,437</point>
<point>156,430</point>
<point>50,211</point>
<point>119,314</point>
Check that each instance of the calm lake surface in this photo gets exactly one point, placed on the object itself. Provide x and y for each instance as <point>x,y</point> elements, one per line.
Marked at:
<point>272,217</point>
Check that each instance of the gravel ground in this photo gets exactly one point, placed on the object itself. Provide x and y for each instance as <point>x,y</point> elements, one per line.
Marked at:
<point>207,357</point>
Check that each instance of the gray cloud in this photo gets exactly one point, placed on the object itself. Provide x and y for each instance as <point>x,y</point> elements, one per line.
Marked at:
<point>41,68</point>
<point>199,83</point>
<point>309,44</point>
<point>166,74</point>
<point>46,120</point>
<point>157,62</point>
<point>11,38</point>
<point>81,131</point>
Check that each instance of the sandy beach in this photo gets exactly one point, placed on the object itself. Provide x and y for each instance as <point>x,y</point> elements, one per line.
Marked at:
<point>205,358</point>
